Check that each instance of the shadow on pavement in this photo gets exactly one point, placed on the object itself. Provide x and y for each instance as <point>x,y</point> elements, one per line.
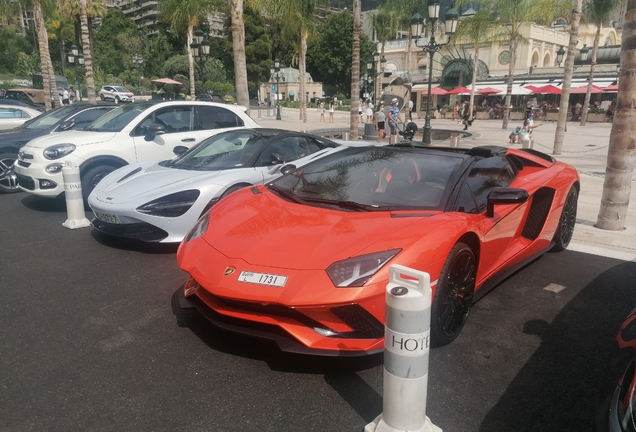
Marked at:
<point>123,243</point>
<point>557,388</point>
<point>46,205</point>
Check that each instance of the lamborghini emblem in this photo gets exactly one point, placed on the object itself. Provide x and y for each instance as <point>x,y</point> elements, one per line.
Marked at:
<point>229,271</point>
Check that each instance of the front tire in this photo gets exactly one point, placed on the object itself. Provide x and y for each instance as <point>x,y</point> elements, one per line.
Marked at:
<point>564,231</point>
<point>117,99</point>
<point>8,179</point>
<point>93,176</point>
<point>454,295</point>
<point>101,96</point>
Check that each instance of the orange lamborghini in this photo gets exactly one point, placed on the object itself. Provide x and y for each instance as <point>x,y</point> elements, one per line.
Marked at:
<point>304,259</point>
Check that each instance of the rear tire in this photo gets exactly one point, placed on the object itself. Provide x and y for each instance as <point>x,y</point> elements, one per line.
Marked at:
<point>93,176</point>
<point>454,295</point>
<point>564,231</point>
<point>8,179</point>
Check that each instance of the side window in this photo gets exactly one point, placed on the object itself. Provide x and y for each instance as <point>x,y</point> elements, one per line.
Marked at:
<point>488,174</point>
<point>288,149</point>
<point>87,117</point>
<point>211,117</point>
<point>175,119</point>
<point>466,200</point>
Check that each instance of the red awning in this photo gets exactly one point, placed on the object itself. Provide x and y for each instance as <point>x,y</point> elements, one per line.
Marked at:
<point>583,89</point>
<point>460,91</point>
<point>436,91</point>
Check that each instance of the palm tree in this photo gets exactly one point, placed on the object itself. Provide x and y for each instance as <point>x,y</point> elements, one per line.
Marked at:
<point>597,12</point>
<point>385,26</point>
<point>355,70</point>
<point>88,54</point>
<point>475,29</point>
<point>185,14</point>
<point>621,153</point>
<point>48,74</point>
<point>512,14</point>
<point>238,47</point>
<point>404,11</point>
<point>71,10</point>
<point>567,79</point>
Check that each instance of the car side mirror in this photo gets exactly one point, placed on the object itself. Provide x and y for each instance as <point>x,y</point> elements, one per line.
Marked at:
<point>286,169</point>
<point>154,130</point>
<point>505,196</point>
<point>67,125</point>
<point>179,150</point>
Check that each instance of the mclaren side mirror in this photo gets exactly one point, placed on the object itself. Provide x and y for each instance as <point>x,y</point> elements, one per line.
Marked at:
<point>179,150</point>
<point>505,196</point>
<point>286,169</point>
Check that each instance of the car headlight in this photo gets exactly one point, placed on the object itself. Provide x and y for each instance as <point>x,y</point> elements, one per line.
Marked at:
<point>354,272</point>
<point>199,228</point>
<point>58,151</point>
<point>172,205</point>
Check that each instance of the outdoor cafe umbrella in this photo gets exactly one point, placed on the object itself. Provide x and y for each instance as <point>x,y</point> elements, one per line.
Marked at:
<point>611,89</point>
<point>583,89</point>
<point>166,81</point>
<point>488,91</point>
<point>459,91</point>
<point>532,88</point>
<point>436,91</point>
<point>548,89</point>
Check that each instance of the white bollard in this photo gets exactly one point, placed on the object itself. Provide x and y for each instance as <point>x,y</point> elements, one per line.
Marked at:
<point>76,218</point>
<point>406,350</point>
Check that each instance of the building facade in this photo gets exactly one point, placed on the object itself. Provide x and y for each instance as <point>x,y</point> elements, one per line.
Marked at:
<point>287,87</point>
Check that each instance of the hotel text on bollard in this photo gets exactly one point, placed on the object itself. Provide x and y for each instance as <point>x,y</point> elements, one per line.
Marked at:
<point>406,351</point>
<point>76,218</point>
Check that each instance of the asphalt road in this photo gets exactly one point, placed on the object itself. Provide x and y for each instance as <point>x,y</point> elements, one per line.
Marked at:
<point>92,339</point>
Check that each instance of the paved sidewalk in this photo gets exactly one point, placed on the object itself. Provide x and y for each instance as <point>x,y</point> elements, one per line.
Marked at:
<point>584,147</point>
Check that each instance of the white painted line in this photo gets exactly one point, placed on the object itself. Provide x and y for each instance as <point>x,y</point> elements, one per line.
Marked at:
<point>600,251</point>
<point>556,288</point>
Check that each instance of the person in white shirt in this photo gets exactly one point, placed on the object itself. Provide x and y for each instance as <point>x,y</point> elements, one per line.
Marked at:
<point>410,110</point>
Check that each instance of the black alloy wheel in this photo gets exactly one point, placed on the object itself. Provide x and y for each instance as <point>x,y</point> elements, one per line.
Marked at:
<point>454,295</point>
<point>564,231</point>
<point>8,179</point>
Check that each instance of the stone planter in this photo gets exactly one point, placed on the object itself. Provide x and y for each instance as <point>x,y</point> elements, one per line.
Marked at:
<point>482,115</point>
<point>595,117</point>
<point>552,116</point>
<point>517,115</point>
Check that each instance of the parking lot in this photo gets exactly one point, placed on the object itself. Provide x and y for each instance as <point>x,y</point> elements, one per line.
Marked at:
<point>92,338</point>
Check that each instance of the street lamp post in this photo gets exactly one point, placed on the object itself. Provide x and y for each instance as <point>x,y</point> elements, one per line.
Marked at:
<point>372,73</point>
<point>200,47</point>
<point>276,74</point>
<point>76,59</point>
<point>431,47</point>
<point>138,61</point>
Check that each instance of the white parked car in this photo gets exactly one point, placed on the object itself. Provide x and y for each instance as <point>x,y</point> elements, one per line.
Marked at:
<point>116,94</point>
<point>161,201</point>
<point>12,116</point>
<point>131,133</point>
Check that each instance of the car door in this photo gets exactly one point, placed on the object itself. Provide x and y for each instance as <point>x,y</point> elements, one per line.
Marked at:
<point>177,122</point>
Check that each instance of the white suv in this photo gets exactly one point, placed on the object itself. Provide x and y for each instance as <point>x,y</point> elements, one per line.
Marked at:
<point>131,133</point>
<point>116,94</point>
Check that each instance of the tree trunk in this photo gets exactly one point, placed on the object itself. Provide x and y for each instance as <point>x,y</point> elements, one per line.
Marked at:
<point>474,77</point>
<point>302,66</point>
<point>511,78</point>
<point>590,78</point>
<point>567,79</point>
<point>238,45</point>
<point>355,71</point>
<point>43,44</point>
<point>88,54</point>
<point>621,154</point>
<point>189,39</point>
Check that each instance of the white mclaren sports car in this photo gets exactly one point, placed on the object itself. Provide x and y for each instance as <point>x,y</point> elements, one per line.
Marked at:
<point>161,201</point>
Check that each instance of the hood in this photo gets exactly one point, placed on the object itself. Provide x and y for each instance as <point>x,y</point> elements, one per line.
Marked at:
<point>263,229</point>
<point>19,136</point>
<point>151,181</point>
<point>77,137</point>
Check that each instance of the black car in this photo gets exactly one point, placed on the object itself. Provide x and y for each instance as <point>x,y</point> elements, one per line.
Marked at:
<point>9,101</point>
<point>76,116</point>
<point>617,403</point>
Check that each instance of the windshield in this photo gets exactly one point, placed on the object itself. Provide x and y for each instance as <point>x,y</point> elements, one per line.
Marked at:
<point>117,119</point>
<point>121,89</point>
<point>46,120</point>
<point>372,178</point>
<point>233,149</point>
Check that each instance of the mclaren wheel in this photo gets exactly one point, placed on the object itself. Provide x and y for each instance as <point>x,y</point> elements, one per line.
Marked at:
<point>564,231</point>
<point>454,295</point>
<point>8,179</point>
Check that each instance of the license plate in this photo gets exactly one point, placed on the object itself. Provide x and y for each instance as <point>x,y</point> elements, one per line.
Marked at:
<point>107,217</point>
<point>262,279</point>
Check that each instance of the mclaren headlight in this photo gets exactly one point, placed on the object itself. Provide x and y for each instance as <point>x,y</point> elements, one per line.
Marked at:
<point>354,272</point>
<point>58,151</point>
<point>173,205</point>
<point>199,228</point>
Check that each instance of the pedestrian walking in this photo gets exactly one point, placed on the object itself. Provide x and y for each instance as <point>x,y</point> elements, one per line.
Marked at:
<point>394,118</point>
<point>410,110</point>
<point>369,111</point>
<point>65,97</point>
<point>322,112</point>
<point>464,113</point>
<point>331,109</point>
<point>454,111</point>
<point>379,118</point>
<point>71,94</point>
